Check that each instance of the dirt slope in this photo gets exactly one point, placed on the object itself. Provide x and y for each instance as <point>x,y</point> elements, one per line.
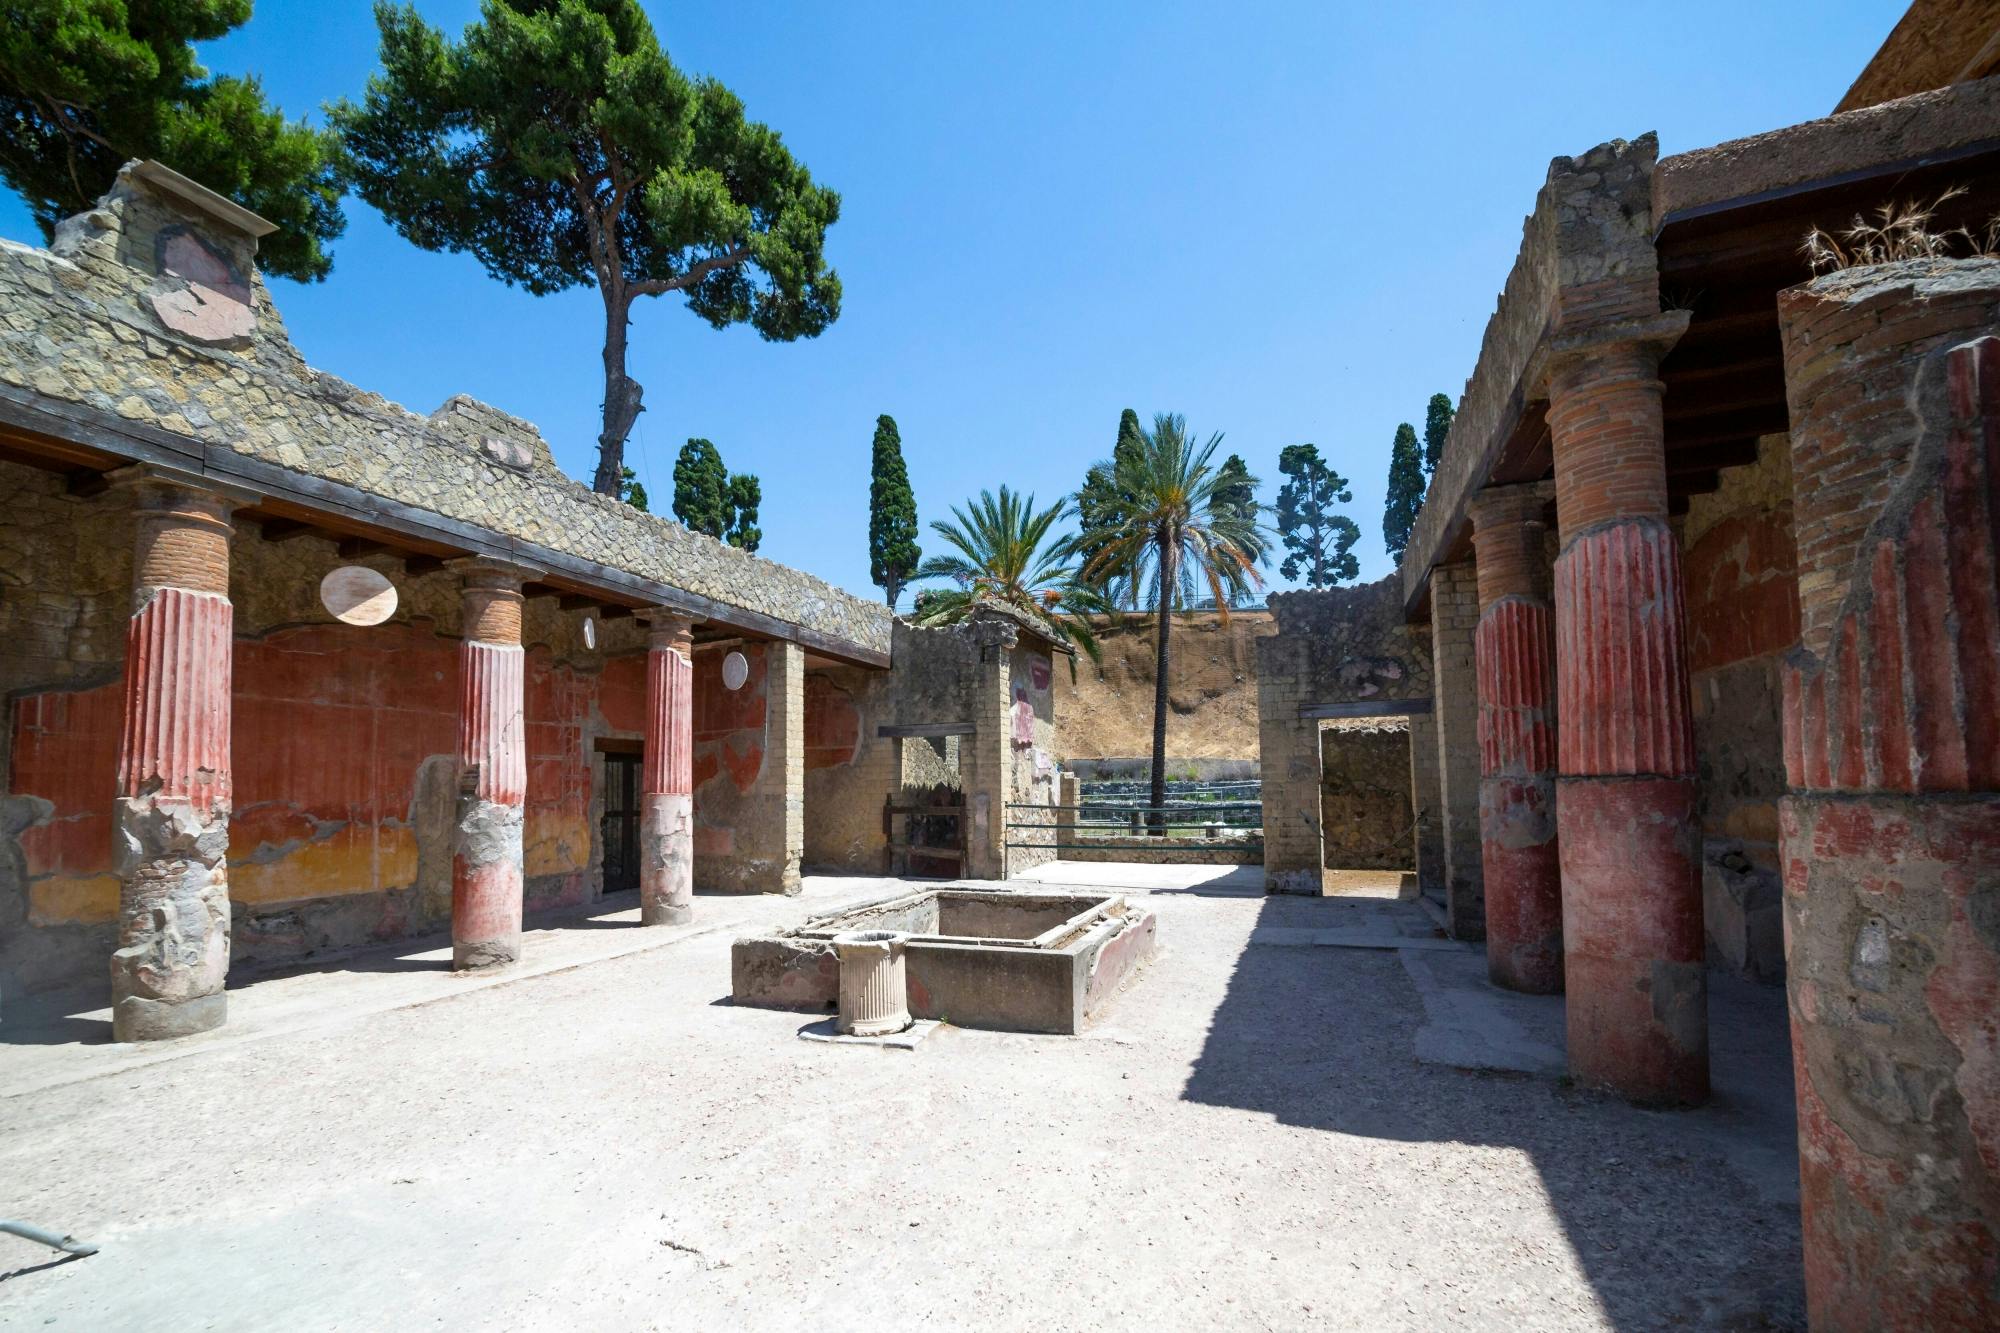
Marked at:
<point>1211,691</point>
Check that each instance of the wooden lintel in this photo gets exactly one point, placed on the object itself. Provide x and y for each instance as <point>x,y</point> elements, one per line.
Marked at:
<point>1365,708</point>
<point>925,730</point>
<point>353,548</point>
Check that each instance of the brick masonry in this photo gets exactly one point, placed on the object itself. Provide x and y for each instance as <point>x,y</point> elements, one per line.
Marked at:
<point>1891,833</point>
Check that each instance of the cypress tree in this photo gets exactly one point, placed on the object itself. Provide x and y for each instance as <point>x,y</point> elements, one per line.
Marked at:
<point>1406,490</point>
<point>892,515</point>
<point>701,489</point>
<point>745,494</point>
<point>1437,425</point>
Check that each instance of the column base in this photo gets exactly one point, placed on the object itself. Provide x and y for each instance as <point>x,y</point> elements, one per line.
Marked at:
<point>485,955</point>
<point>666,859</point>
<point>1523,877</point>
<point>1635,979</point>
<point>1894,975</point>
<point>136,1018</point>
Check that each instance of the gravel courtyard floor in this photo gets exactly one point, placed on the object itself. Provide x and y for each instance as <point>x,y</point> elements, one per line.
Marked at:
<point>1247,1137</point>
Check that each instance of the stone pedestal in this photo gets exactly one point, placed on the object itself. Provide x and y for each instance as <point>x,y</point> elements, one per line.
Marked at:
<point>1630,852</point>
<point>874,997</point>
<point>486,871</point>
<point>1891,833</point>
<point>1515,648</point>
<point>172,812</point>
<point>666,801</point>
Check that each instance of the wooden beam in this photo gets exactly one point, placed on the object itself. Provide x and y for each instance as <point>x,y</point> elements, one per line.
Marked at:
<point>1365,708</point>
<point>416,566</point>
<point>86,483</point>
<point>925,730</point>
<point>575,601</point>
<point>353,548</point>
<point>288,529</point>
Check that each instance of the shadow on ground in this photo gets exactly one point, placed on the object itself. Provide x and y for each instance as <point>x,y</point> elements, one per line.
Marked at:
<point>1678,1219</point>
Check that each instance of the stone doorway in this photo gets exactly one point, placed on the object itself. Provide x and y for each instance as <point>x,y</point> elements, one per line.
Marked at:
<point>619,827</point>
<point>1367,816</point>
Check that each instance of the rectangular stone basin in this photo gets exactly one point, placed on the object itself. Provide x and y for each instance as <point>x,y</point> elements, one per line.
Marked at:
<point>1016,962</point>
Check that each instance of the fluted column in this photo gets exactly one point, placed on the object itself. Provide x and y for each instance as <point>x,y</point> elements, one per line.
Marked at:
<point>666,801</point>
<point>172,811</point>
<point>486,872</point>
<point>1890,834</point>
<point>1637,997</point>
<point>1515,648</point>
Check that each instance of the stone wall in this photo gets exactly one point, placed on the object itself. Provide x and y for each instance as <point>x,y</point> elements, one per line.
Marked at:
<point>1367,818</point>
<point>1347,646</point>
<point>87,334</point>
<point>1742,618</point>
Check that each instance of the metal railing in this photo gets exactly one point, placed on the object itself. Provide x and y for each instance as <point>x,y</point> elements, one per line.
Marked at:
<point>1188,826</point>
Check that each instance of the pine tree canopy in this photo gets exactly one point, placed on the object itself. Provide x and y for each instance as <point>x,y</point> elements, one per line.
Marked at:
<point>86,87</point>
<point>893,554</point>
<point>1405,496</point>
<point>557,143</point>
<point>745,494</point>
<point>1437,424</point>
<point>1318,541</point>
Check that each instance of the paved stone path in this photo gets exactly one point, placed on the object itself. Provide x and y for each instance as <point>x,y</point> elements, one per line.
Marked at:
<point>1247,1138</point>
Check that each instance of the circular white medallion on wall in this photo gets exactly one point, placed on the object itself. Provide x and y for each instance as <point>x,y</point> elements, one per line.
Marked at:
<point>590,633</point>
<point>735,670</point>
<point>357,595</point>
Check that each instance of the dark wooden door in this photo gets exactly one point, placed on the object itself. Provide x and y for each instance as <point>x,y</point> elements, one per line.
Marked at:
<point>620,827</point>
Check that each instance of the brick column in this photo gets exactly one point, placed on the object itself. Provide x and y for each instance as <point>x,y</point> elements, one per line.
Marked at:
<point>1517,742</point>
<point>1454,620</point>
<point>785,761</point>
<point>172,809</point>
<point>666,782</point>
<point>1625,814</point>
<point>1890,835</point>
<point>486,873</point>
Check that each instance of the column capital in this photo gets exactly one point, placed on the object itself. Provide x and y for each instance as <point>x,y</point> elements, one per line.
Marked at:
<point>486,571</point>
<point>1525,502</point>
<point>158,487</point>
<point>669,626</point>
<point>1641,342</point>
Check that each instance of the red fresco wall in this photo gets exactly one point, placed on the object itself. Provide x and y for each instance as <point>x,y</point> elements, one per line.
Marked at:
<point>1742,589</point>
<point>331,725</point>
<point>728,743</point>
<point>832,724</point>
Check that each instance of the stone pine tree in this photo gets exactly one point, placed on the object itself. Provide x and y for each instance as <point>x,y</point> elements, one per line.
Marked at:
<point>559,145</point>
<point>1319,541</point>
<point>85,87</point>
<point>1437,425</point>
<point>1405,492</point>
<point>708,499</point>
<point>893,554</point>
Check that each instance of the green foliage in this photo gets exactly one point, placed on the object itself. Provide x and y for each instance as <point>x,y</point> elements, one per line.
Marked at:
<point>745,494</point>
<point>630,490</point>
<point>1405,492</point>
<point>1100,506</point>
<point>559,145</point>
<point>892,514</point>
<point>1182,523</point>
<point>701,489</point>
<point>87,85</point>
<point>1319,542</point>
<point>1437,425</point>
<point>1002,553</point>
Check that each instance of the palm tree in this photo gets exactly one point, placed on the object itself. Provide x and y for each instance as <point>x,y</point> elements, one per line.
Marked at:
<point>1002,555</point>
<point>1186,525</point>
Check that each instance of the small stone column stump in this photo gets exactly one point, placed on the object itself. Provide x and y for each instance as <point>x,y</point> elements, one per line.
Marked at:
<point>874,997</point>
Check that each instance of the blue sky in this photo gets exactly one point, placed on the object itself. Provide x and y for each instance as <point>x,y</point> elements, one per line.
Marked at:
<point>1287,221</point>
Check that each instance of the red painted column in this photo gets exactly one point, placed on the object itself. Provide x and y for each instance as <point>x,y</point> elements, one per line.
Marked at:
<point>1515,651</point>
<point>172,810</point>
<point>666,802</point>
<point>1891,831</point>
<point>486,872</point>
<point>1637,996</point>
